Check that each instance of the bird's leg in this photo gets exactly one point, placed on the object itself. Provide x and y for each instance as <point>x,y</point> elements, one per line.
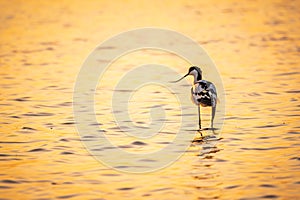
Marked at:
<point>213,112</point>
<point>199,117</point>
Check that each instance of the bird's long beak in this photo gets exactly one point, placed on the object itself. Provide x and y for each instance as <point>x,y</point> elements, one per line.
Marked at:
<point>180,79</point>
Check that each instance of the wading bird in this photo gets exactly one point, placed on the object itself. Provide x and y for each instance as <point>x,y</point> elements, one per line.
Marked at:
<point>203,93</point>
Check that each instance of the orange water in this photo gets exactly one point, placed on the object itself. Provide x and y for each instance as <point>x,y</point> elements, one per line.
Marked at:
<point>255,46</point>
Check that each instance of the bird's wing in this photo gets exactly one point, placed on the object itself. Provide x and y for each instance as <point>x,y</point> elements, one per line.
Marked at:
<point>212,92</point>
<point>211,87</point>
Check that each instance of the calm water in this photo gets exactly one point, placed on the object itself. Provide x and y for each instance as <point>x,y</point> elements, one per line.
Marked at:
<point>256,47</point>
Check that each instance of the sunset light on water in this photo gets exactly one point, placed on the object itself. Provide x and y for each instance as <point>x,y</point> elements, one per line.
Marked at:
<point>255,47</point>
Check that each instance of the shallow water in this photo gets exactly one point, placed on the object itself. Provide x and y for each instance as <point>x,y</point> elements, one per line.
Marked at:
<point>256,48</point>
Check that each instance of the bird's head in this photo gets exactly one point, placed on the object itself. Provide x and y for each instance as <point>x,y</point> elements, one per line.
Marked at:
<point>195,71</point>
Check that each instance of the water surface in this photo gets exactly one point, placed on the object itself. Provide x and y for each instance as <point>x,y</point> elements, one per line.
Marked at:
<point>255,46</point>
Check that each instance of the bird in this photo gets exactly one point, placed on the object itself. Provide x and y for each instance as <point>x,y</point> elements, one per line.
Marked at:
<point>203,93</point>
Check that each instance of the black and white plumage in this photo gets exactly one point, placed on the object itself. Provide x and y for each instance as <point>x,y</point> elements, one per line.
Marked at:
<point>203,93</point>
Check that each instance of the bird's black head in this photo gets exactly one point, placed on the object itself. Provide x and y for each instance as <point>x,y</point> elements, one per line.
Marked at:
<point>196,72</point>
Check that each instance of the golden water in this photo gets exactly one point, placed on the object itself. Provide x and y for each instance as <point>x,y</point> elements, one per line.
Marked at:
<point>256,47</point>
